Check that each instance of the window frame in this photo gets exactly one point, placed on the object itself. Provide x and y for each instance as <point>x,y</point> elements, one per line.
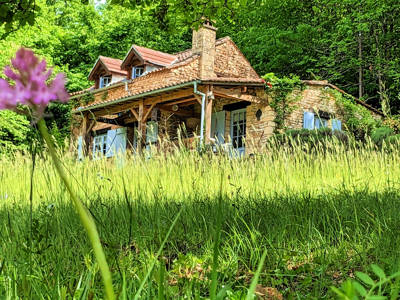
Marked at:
<point>99,145</point>
<point>238,142</point>
<point>134,71</point>
<point>101,83</point>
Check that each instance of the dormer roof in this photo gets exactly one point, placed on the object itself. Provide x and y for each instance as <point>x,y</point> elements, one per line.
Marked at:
<point>147,55</point>
<point>109,65</point>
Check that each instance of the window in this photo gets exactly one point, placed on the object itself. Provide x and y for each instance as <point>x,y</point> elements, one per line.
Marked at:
<point>238,129</point>
<point>320,122</point>
<point>105,81</point>
<point>151,132</point>
<point>99,145</point>
<point>218,126</point>
<point>314,121</point>
<point>137,72</point>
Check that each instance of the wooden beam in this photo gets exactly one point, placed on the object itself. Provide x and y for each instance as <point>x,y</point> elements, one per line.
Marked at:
<point>134,113</point>
<point>209,105</point>
<point>141,127</point>
<point>85,135</point>
<point>134,103</point>
<point>184,113</point>
<point>198,98</point>
<point>188,103</point>
<point>181,101</point>
<point>237,94</point>
<point>169,97</point>
<point>91,126</point>
<point>116,108</point>
<point>146,115</point>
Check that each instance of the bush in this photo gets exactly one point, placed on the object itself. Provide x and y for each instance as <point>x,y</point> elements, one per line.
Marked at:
<point>393,140</point>
<point>393,122</point>
<point>310,139</point>
<point>380,134</point>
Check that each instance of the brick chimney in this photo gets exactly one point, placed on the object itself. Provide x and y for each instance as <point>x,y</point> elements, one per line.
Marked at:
<point>203,43</point>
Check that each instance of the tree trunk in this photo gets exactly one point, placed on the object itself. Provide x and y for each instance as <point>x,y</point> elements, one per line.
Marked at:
<point>360,68</point>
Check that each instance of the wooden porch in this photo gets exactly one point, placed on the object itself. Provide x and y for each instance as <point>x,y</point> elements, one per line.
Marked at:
<point>182,103</point>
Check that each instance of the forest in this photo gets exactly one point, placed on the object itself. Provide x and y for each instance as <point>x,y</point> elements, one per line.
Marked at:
<point>312,213</point>
<point>352,44</point>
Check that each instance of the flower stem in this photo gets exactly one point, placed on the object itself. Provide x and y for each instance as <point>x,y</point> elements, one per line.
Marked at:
<point>83,213</point>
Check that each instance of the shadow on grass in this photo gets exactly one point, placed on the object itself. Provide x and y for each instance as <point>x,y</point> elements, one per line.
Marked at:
<point>308,237</point>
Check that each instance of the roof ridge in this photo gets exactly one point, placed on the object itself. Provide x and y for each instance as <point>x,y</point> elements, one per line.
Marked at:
<point>102,56</point>
<point>219,41</point>
<point>134,45</point>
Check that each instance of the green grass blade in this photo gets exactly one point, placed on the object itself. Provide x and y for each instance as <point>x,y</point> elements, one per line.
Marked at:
<point>157,255</point>
<point>250,293</point>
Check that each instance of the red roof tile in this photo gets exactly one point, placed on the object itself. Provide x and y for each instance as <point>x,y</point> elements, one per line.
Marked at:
<point>154,56</point>
<point>166,77</point>
<point>181,68</point>
<point>112,64</point>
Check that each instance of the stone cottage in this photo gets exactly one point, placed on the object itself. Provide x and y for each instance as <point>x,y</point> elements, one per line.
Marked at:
<point>208,94</point>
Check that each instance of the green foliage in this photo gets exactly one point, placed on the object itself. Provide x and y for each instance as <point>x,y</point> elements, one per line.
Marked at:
<point>393,140</point>
<point>14,132</point>
<point>393,122</point>
<point>320,218</point>
<point>384,287</point>
<point>358,119</point>
<point>310,140</point>
<point>380,134</point>
<point>283,98</point>
<point>14,14</point>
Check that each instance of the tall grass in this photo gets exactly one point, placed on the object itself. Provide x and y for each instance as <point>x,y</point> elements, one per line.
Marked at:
<point>319,217</point>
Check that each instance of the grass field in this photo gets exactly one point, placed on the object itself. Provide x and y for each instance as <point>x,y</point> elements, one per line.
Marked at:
<point>321,217</point>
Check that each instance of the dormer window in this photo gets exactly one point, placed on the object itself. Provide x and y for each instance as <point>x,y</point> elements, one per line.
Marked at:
<point>137,72</point>
<point>105,81</point>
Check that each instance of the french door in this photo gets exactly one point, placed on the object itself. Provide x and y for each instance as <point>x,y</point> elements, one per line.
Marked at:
<point>238,130</point>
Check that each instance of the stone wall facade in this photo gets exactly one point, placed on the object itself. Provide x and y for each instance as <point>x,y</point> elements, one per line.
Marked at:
<point>312,99</point>
<point>260,117</point>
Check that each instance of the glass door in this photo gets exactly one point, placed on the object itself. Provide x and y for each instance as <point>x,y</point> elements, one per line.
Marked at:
<point>238,130</point>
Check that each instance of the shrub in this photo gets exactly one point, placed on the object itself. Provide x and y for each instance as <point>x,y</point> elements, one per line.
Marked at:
<point>310,139</point>
<point>379,134</point>
<point>393,140</point>
<point>393,122</point>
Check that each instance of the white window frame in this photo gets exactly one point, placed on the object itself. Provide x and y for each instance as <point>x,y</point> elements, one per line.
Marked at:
<point>239,138</point>
<point>137,72</point>
<point>99,146</point>
<point>105,81</point>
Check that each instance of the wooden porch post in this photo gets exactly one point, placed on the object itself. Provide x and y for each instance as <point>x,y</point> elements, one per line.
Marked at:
<point>209,104</point>
<point>141,127</point>
<point>86,127</point>
<point>83,133</point>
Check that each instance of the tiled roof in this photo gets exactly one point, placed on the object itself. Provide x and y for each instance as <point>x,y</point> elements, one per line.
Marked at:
<point>162,78</point>
<point>181,68</point>
<point>112,64</point>
<point>154,56</point>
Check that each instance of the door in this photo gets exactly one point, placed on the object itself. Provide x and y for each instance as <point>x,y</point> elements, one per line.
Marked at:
<point>151,134</point>
<point>238,130</point>
<point>116,142</point>
<point>120,141</point>
<point>218,127</point>
<point>80,147</point>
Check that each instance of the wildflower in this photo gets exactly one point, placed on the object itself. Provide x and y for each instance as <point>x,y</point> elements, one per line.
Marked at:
<point>31,86</point>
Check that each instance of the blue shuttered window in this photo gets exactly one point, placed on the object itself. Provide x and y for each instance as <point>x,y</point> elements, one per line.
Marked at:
<point>336,124</point>
<point>308,120</point>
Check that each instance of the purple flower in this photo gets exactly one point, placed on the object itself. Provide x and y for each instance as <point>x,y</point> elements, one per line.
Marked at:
<point>31,86</point>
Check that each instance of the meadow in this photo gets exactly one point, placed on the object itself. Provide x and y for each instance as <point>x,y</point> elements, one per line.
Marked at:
<point>320,217</point>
